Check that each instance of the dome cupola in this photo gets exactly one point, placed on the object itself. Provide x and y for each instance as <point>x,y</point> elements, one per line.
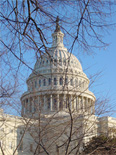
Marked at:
<point>57,36</point>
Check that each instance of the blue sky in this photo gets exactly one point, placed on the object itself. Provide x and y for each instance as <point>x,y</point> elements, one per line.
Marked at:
<point>105,61</point>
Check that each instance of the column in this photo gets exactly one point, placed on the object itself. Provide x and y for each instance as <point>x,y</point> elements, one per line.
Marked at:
<point>83,100</point>
<point>86,104</point>
<point>79,104</point>
<point>51,102</point>
<point>89,106</point>
<point>75,102</point>
<point>58,102</point>
<point>93,104</point>
<point>44,107</point>
<point>64,102</point>
<point>91,110</point>
<point>82,104</point>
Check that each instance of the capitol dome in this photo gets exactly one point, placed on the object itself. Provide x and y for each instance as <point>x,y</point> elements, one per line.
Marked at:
<point>57,82</point>
<point>59,55</point>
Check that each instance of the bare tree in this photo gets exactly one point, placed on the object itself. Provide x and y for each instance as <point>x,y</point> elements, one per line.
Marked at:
<point>25,30</point>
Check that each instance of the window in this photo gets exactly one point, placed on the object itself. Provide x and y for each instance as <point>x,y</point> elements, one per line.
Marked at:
<point>71,82</point>
<point>55,104</point>
<point>44,82</point>
<point>26,100</point>
<point>55,82</point>
<point>55,60</point>
<point>30,109</point>
<point>49,81</point>
<point>39,83</point>
<point>47,61</point>
<point>61,81</point>
<point>35,84</point>
<point>48,105</point>
<point>66,81</point>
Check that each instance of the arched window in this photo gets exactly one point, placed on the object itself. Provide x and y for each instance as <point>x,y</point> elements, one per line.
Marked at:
<point>35,84</point>
<point>44,82</point>
<point>55,104</point>
<point>39,83</point>
<point>61,81</point>
<point>48,105</point>
<point>71,82</point>
<point>55,81</point>
<point>47,61</point>
<point>49,81</point>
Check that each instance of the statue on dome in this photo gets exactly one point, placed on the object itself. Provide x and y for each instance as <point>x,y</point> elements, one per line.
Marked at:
<point>57,25</point>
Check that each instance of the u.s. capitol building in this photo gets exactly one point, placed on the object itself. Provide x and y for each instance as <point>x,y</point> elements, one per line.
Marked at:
<point>58,109</point>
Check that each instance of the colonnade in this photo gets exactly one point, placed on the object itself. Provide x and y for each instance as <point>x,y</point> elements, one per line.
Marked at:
<point>58,102</point>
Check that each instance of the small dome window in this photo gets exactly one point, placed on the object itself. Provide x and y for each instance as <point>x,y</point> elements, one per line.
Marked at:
<point>61,81</point>
<point>71,82</point>
<point>49,81</point>
<point>48,104</point>
<point>55,81</point>
<point>39,83</point>
<point>44,82</point>
<point>35,84</point>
